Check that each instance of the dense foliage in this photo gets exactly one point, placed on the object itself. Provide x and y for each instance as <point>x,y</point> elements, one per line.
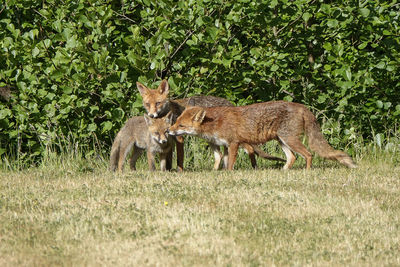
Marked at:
<point>72,65</point>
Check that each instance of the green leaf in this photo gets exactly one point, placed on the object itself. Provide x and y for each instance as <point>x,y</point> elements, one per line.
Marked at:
<point>306,16</point>
<point>364,12</point>
<point>348,74</point>
<point>92,127</point>
<point>273,3</point>
<point>379,104</point>
<point>387,105</point>
<point>106,126</point>
<point>274,68</point>
<point>199,21</point>
<point>5,113</point>
<point>327,46</point>
<point>381,65</point>
<point>332,23</point>
<point>35,52</point>
<point>33,33</point>
<point>47,43</point>
<point>123,76</point>
<point>362,45</point>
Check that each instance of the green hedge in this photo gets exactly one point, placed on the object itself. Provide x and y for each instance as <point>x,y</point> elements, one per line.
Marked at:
<point>72,65</point>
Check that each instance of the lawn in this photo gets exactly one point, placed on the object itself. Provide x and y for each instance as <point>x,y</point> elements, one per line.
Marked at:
<point>74,213</point>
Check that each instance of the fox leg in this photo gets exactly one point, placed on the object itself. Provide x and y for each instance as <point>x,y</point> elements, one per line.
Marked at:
<point>226,158</point>
<point>124,150</point>
<point>217,155</point>
<point>163,161</point>
<point>169,160</point>
<point>295,145</point>
<point>250,151</point>
<point>232,154</point>
<point>179,152</point>
<point>150,161</point>
<point>290,157</point>
<point>137,151</point>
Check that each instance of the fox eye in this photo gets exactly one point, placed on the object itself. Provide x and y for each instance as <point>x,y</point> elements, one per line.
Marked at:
<point>147,104</point>
<point>158,103</point>
<point>180,125</point>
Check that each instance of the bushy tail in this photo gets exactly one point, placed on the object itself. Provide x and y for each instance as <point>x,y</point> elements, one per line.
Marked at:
<point>318,143</point>
<point>259,152</point>
<point>114,155</point>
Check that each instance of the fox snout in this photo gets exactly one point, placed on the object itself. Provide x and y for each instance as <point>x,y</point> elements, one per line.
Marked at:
<point>171,131</point>
<point>153,115</point>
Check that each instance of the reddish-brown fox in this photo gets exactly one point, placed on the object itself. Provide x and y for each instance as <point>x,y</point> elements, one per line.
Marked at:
<point>157,104</point>
<point>254,124</point>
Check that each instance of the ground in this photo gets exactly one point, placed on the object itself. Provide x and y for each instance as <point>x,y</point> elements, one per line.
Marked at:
<point>63,214</point>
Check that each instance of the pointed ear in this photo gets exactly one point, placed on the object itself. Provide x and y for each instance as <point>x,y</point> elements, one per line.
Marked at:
<point>142,89</point>
<point>149,121</point>
<point>163,88</point>
<point>199,115</point>
<point>169,118</point>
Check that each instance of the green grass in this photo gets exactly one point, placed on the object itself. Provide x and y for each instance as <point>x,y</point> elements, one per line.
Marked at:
<point>71,211</point>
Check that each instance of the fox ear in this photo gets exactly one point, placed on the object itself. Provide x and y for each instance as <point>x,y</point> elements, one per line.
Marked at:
<point>163,88</point>
<point>149,121</point>
<point>199,115</point>
<point>169,117</point>
<point>142,89</point>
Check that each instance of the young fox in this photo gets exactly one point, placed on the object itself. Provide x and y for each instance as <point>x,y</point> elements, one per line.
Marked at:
<point>257,124</point>
<point>143,133</point>
<point>157,104</point>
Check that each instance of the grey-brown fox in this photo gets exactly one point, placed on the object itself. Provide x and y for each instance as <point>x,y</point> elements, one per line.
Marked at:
<point>143,133</point>
<point>257,124</point>
<point>157,104</point>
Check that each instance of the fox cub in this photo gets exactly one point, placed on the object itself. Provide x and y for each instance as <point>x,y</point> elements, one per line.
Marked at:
<point>257,124</point>
<point>157,104</point>
<point>143,133</point>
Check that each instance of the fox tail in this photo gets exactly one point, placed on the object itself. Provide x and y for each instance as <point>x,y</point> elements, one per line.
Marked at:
<point>318,143</point>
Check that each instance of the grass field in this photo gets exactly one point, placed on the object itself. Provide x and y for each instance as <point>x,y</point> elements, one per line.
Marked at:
<point>75,212</point>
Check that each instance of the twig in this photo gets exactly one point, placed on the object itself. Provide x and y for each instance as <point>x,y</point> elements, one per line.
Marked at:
<point>39,13</point>
<point>180,46</point>
<point>124,16</point>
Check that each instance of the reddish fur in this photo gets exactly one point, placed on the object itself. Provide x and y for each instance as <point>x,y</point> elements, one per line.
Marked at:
<point>157,104</point>
<point>259,123</point>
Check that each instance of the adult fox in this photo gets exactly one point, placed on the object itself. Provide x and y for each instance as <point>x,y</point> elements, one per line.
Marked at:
<point>257,124</point>
<point>157,104</point>
<point>143,133</point>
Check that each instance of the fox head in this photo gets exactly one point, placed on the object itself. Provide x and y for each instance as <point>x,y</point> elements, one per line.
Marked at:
<point>188,122</point>
<point>158,128</point>
<point>155,101</point>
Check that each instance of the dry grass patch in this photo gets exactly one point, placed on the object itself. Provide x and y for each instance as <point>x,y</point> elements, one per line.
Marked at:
<point>59,215</point>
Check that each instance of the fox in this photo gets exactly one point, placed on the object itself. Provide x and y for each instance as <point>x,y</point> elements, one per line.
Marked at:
<point>258,123</point>
<point>157,104</point>
<point>143,133</point>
